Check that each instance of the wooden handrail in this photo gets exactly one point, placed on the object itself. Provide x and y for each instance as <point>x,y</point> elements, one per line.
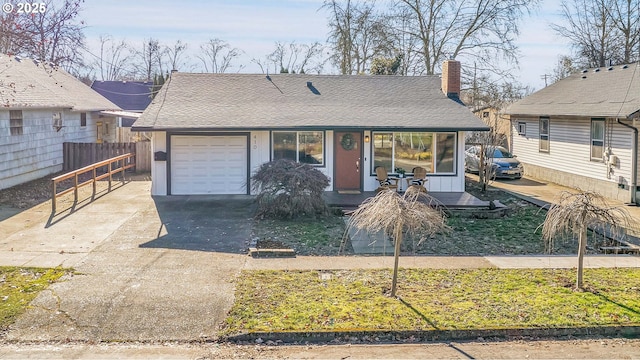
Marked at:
<point>94,178</point>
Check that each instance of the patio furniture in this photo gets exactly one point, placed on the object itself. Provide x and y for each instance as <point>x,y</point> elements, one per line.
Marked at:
<point>385,181</point>
<point>418,179</point>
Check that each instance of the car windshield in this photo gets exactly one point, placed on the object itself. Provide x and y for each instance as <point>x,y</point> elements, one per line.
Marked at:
<point>498,153</point>
<point>501,153</point>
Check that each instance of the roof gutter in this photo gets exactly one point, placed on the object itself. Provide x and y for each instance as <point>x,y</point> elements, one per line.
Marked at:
<point>634,161</point>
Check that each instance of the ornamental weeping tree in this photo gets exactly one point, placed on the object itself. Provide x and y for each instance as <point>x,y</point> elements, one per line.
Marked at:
<point>414,213</point>
<point>573,214</point>
<point>287,189</point>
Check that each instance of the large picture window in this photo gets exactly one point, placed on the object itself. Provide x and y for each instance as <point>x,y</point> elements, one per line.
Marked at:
<point>597,139</point>
<point>408,150</point>
<point>544,134</point>
<point>301,146</point>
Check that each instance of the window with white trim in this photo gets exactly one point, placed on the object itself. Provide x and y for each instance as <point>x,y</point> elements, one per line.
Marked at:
<point>597,139</point>
<point>300,146</point>
<point>544,134</point>
<point>407,150</point>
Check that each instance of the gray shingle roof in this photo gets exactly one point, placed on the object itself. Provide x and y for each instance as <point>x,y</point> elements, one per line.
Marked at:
<point>249,101</point>
<point>602,92</point>
<point>25,83</point>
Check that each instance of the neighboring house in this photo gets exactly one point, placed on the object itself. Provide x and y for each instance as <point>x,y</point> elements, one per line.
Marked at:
<point>41,107</point>
<point>498,122</point>
<point>210,132</point>
<point>582,131</point>
<point>132,97</point>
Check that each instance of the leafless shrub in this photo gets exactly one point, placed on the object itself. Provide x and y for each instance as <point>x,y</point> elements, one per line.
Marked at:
<point>572,214</point>
<point>287,190</point>
<point>414,213</point>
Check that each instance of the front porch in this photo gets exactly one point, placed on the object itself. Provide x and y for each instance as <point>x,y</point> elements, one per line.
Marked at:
<point>451,200</point>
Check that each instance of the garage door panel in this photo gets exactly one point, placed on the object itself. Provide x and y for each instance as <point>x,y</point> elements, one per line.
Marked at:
<point>209,164</point>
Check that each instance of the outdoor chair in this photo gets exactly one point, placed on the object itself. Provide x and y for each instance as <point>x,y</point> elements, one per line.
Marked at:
<point>418,179</point>
<point>385,181</point>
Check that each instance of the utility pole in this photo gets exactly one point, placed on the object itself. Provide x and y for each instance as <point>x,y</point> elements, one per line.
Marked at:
<point>545,77</point>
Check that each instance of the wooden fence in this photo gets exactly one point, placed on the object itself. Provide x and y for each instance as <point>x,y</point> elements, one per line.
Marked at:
<point>79,155</point>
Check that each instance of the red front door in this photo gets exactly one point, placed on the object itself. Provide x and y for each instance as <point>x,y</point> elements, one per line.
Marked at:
<point>348,150</point>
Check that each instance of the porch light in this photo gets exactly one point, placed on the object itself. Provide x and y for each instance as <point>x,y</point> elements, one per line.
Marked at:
<point>366,138</point>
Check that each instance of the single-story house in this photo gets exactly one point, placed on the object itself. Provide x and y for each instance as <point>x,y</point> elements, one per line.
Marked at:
<point>132,97</point>
<point>582,131</point>
<point>41,107</point>
<point>210,132</point>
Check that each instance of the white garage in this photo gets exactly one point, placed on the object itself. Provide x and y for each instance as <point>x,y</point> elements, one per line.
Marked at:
<point>208,164</point>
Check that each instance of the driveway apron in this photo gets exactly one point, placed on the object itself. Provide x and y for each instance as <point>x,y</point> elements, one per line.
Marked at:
<point>165,274</point>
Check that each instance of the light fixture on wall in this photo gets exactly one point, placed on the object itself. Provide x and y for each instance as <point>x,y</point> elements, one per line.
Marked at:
<point>366,138</point>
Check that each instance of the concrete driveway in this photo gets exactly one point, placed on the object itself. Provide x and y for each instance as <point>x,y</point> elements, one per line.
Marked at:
<point>147,269</point>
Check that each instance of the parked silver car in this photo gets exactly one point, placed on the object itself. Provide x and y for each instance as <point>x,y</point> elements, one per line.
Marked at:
<point>503,163</point>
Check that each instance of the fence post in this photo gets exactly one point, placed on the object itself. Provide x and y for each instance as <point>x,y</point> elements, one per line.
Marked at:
<point>53,198</point>
<point>75,190</point>
<point>94,183</point>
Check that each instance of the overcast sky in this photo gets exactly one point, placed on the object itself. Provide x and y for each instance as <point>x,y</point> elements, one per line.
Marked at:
<point>255,25</point>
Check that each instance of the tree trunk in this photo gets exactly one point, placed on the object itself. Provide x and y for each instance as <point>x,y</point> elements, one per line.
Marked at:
<point>396,253</point>
<point>582,247</point>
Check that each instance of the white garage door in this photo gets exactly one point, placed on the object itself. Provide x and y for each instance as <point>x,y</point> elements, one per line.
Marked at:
<point>208,165</point>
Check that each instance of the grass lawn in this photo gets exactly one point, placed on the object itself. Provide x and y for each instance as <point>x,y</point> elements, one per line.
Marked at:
<point>355,300</point>
<point>19,286</point>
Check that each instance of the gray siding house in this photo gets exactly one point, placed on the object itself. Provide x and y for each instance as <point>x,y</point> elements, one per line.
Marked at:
<point>41,107</point>
<point>582,131</point>
<point>210,132</point>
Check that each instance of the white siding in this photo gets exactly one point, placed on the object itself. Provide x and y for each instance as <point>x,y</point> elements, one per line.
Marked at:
<point>569,153</point>
<point>158,168</point>
<point>259,153</point>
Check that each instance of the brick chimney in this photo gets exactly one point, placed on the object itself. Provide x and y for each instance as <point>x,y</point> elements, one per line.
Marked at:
<point>451,78</point>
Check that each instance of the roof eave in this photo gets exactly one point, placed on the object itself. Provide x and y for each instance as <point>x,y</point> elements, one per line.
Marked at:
<point>268,128</point>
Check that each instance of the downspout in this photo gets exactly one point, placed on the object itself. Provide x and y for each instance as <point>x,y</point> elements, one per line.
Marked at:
<point>634,161</point>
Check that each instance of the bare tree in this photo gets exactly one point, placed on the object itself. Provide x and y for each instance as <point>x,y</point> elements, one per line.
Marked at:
<point>590,28</point>
<point>601,32</point>
<point>174,54</point>
<point>13,36</point>
<point>564,68</point>
<point>295,58</point>
<point>217,56</point>
<point>52,33</point>
<point>574,214</point>
<point>358,33</point>
<point>113,61</point>
<point>414,214</point>
<point>481,30</point>
<point>148,59</point>
<point>626,19</point>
